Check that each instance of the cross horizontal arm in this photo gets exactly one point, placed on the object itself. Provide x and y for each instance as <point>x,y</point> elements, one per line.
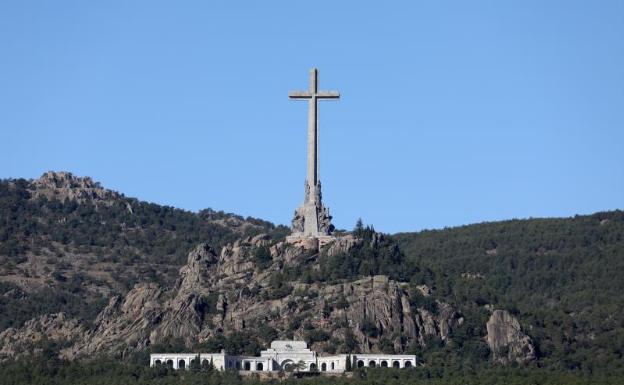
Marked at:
<point>319,95</point>
<point>299,94</point>
<point>328,94</point>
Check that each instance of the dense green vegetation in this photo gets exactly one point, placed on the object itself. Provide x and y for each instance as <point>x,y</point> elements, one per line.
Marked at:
<point>16,307</point>
<point>125,230</point>
<point>562,278</point>
<point>136,241</point>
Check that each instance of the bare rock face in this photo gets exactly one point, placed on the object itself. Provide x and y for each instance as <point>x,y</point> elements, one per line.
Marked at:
<point>342,244</point>
<point>184,315</point>
<point>183,319</point>
<point>124,324</point>
<point>440,324</point>
<point>63,185</point>
<point>194,273</point>
<point>506,339</point>
<point>234,260</point>
<point>53,327</point>
<point>383,305</point>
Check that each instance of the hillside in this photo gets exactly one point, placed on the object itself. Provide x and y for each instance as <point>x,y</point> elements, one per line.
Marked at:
<point>86,272</point>
<point>67,244</point>
<point>562,278</point>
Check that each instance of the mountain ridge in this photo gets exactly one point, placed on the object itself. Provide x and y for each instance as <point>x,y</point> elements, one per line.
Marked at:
<point>494,292</point>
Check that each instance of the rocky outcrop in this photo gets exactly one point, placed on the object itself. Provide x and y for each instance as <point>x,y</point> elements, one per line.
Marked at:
<point>125,323</point>
<point>439,324</point>
<point>27,339</point>
<point>194,274</point>
<point>506,339</point>
<point>378,308</point>
<point>62,185</point>
<point>235,260</point>
<point>185,312</point>
<point>342,245</point>
<point>229,292</point>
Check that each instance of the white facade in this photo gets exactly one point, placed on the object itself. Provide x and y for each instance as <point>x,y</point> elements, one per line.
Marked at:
<point>184,360</point>
<point>220,361</point>
<point>280,356</point>
<point>383,360</point>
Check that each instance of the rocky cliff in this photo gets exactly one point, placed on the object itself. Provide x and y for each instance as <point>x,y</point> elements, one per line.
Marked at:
<point>227,292</point>
<point>506,339</point>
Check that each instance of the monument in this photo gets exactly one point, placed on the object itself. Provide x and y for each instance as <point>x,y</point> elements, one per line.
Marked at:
<point>284,356</point>
<point>312,223</point>
<point>312,219</point>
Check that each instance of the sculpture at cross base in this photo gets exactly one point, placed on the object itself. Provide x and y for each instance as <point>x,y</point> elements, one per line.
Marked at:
<point>312,219</point>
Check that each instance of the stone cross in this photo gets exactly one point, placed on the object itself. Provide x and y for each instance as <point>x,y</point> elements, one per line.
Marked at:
<point>312,219</point>
<point>312,96</point>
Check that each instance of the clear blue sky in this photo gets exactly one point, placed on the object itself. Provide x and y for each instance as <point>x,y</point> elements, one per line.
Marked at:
<point>451,112</point>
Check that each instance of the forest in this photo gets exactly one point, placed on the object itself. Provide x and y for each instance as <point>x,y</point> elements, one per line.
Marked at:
<point>560,277</point>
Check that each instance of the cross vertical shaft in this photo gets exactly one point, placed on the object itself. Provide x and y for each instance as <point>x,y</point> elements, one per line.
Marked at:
<point>312,174</point>
<point>312,96</point>
<point>312,219</point>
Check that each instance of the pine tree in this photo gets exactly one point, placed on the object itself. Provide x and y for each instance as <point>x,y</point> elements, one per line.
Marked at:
<point>359,227</point>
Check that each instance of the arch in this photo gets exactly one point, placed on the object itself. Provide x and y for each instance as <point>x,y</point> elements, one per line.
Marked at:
<point>360,364</point>
<point>332,366</point>
<point>287,364</point>
<point>323,367</point>
<point>259,366</point>
<point>247,365</point>
<point>396,364</point>
<point>407,364</point>
<point>384,364</point>
<point>170,363</point>
<point>312,367</point>
<point>158,362</point>
<point>371,364</point>
<point>181,364</point>
<point>205,362</point>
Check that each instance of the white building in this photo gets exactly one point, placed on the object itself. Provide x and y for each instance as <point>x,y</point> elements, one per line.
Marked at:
<point>280,356</point>
<point>383,360</point>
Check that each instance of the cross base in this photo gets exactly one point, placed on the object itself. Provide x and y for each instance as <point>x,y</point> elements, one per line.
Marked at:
<point>310,241</point>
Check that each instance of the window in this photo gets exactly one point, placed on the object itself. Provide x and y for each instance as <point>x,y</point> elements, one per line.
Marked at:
<point>157,362</point>
<point>247,366</point>
<point>259,366</point>
<point>408,364</point>
<point>332,366</point>
<point>396,364</point>
<point>181,364</point>
<point>323,367</point>
<point>371,364</point>
<point>384,364</point>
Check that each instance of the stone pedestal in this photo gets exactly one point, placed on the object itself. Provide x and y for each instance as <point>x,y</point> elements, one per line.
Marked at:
<point>315,242</point>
